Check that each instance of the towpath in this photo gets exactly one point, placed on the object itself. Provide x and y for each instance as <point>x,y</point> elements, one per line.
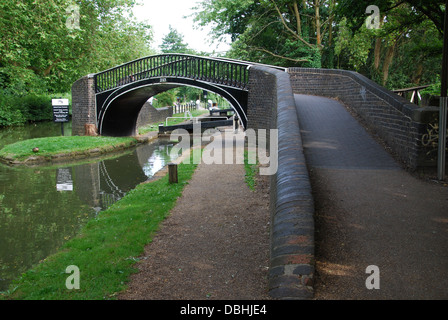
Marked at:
<point>213,246</point>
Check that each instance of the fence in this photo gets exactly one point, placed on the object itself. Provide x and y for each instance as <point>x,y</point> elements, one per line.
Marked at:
<point>184,107</point>
<point>215,70</point>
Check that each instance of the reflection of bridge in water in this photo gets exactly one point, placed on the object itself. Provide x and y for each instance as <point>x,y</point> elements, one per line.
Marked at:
<point>105,182</point>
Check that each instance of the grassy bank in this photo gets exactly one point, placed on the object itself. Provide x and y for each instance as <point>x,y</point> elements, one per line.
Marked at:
<point>106,248</point>
<point>50,147</point>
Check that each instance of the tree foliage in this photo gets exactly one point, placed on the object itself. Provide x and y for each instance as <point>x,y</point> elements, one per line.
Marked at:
<point>333,33</point>
<point>173,42</point>
<point>408,42</point>
<point>290,33</point>
<point>46,45</point>
<point>41,51</point>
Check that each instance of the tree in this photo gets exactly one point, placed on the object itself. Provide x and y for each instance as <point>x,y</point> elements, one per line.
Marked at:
<point>40,50</point>
<point>417,54</point>
<point>352,48</point>
<point>432,9</point>
<point>406,27</point>
<point>45,46</point>
<point>289,33</point>
<point>165,99</point>
<point>173,42</point>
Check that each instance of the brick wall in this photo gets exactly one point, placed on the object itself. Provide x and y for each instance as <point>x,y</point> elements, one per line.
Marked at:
<point>271,105</point>
<point>262,104</point>
<point>83,104</point>
<point>398,122</point>
<point>149,114</point>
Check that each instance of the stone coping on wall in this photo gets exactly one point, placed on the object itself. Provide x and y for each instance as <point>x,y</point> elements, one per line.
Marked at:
<point>291,271</point>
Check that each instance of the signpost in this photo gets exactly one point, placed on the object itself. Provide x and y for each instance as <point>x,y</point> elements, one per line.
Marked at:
<point>443,102</point>
<point>60,112</point>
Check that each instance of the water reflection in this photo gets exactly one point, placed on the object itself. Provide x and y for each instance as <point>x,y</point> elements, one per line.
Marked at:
<point>40,208</point>
<point>64,179</point>
<point>157,161</point>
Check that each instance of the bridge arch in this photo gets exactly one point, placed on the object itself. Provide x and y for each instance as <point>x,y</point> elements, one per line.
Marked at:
<point>112,99</point>
<point>118,110</point>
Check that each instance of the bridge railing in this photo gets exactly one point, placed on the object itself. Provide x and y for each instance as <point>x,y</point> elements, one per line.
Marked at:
<point>416,97</point>
<point>222,71</point>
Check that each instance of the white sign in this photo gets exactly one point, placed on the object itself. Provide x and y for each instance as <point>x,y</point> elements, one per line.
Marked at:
<point>59,102</point>
<point>60,110</point>
<point>64,187</point>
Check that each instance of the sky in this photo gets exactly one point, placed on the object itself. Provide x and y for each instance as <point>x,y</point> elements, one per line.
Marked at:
<point>160,14</point>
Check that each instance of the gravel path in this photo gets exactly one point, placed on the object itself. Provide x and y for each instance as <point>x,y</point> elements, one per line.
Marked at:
<point>214,244</point>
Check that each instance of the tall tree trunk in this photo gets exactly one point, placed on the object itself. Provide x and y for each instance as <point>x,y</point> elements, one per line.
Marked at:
<point>317,17</point>
<point>292,32</point>
<point>330,28</point>
<point>299,22</point>
<point>377,54</point>
<point>417,76</point>
<point>377,50</point>
<point>387,62</point>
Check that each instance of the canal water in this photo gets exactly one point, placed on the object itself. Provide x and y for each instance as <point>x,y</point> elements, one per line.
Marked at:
<point>43,207</point>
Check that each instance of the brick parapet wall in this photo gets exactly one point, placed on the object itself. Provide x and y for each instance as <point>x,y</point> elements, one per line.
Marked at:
<point>396,121</point>
<point>271,105</point>
<point>262,100</point>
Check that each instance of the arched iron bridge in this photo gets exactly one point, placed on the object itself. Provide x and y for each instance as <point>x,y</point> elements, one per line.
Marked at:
<point>121,91</point>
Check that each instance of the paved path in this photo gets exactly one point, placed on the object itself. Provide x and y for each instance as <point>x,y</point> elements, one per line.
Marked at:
<point>213,245</point>
<point>370,212</point>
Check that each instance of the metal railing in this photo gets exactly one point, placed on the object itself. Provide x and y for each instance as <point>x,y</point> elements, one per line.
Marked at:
<point>179,108</point>
<point>415,97</point>
<point>222,71</point>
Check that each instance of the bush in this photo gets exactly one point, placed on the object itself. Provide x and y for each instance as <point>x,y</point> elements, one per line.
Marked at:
<point>9,115</point>
<point>433,90</point>
<point>16,110</point>
<point>164,99</point>
<point>36,107</point>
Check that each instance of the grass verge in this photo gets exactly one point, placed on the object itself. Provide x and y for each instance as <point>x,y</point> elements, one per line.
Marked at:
<point>107,247</point>
<point>251,171</point>
<point>52,146</point>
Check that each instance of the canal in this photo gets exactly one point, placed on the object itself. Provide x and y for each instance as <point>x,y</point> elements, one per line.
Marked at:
<point>42,207</point>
